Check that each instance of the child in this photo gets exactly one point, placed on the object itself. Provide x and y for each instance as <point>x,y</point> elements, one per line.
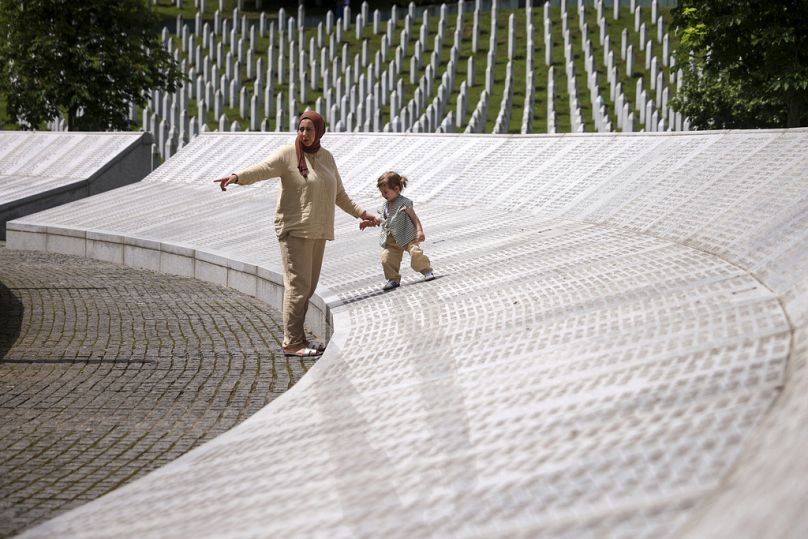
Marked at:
<point>401,231</point>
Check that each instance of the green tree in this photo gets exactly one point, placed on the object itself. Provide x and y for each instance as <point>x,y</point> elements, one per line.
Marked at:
<point>745,63</point>
<point>85,60</point>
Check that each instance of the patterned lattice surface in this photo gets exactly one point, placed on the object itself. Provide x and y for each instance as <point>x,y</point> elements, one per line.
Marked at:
<point>32,163</point>
<point>613,320</point>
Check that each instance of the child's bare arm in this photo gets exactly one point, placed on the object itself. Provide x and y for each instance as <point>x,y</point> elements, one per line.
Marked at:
<point>419,230</point>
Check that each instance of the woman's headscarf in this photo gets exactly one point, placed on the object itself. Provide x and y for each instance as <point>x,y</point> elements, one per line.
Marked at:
<point>319,131</point>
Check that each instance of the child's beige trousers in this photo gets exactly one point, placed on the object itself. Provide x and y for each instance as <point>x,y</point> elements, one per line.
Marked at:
<point>393,253</point>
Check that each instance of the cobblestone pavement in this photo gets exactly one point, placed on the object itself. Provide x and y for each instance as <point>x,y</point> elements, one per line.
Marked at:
<point>107,372</point>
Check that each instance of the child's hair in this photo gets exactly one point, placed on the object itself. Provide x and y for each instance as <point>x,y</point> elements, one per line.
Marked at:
<point>392,180</point>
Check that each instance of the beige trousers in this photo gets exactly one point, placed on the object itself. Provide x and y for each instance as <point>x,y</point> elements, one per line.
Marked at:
<point>302,261</point>
<point>393,253</point>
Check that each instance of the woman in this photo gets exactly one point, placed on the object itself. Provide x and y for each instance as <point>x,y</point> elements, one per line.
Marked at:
<point>310,187</point>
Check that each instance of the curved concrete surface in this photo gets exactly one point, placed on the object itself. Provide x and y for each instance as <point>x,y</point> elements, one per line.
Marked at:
<point>43,170</point>
<point>615,345</point>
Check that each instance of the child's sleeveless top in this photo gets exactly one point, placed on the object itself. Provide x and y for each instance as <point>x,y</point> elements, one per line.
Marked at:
<point>396,222</point>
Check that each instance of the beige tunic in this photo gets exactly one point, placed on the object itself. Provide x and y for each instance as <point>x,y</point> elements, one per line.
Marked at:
<point>305,205</point>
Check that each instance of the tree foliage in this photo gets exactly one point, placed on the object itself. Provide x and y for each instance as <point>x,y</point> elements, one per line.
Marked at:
<point>745,63</point>
<point>85,60</point>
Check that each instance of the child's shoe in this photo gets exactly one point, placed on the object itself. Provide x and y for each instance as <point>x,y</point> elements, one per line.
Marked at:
<point>428,275</point>
<point>390,284</point>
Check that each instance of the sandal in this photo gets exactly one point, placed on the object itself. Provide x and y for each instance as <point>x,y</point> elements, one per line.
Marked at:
<point>316,345</point>
<point>303,352</point>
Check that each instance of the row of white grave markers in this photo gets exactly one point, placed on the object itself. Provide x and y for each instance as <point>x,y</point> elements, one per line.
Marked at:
<point>479,117</point>
<point>242,100</point>
<point>358,111</point>
<point>551,113</point>
<point>261,103</point>
<point>433,118</point>
<point>654,113</point>
<point>355,89</point>
<point>623,114</point>
<point>576,117</point>
<point>526,125</point>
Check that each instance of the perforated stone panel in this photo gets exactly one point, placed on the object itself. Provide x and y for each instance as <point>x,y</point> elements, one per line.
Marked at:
<point>612,322</point>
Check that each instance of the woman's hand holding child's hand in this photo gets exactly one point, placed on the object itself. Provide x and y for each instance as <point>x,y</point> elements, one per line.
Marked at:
<point>368,219</point>
<point>364,223</point>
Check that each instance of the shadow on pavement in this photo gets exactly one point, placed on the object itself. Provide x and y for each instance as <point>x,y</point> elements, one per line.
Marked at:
<point>379,292</point>
<point>11,311</point>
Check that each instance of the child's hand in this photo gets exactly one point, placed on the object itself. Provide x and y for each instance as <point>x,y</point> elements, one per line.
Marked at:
<point>420,236</point>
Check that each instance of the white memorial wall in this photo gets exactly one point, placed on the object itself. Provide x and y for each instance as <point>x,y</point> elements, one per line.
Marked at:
<point>615,344</point>
<point>40,170</point>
